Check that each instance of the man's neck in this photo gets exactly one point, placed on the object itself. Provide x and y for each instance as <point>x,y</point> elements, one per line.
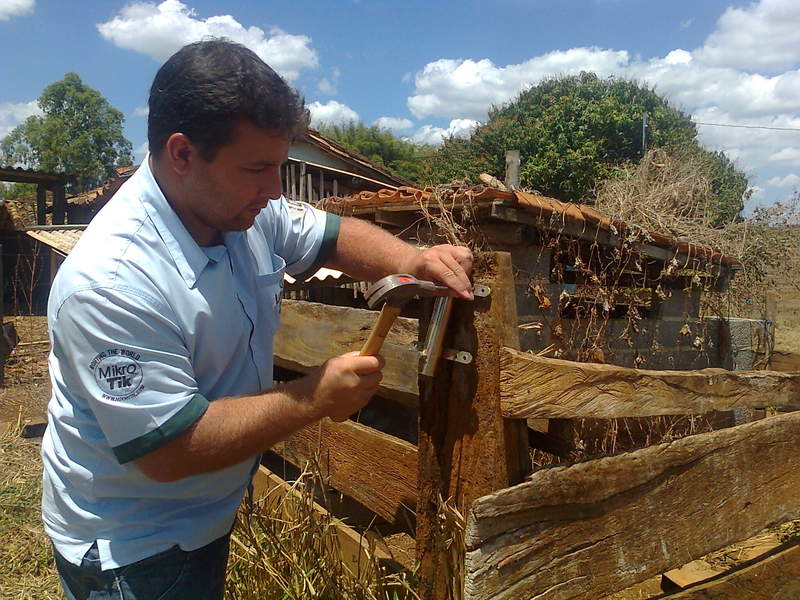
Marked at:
<point>179,200</point>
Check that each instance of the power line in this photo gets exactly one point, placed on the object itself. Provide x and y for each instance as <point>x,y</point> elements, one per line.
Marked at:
<point>748,126</point>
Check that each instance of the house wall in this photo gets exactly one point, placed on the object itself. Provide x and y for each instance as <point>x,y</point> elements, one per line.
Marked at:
<point>671,337</point>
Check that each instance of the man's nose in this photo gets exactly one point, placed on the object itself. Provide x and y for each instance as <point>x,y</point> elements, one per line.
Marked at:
<point>271,187</point>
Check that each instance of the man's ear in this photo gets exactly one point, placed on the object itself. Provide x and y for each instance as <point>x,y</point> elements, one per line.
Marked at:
<point>180,153</point>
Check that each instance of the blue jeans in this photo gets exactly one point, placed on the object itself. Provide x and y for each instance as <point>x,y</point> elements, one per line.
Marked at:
<point>169,575</point>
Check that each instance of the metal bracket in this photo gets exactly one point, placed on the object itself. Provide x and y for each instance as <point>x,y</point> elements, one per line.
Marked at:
<point>481,291</point>
<point>459,356</point>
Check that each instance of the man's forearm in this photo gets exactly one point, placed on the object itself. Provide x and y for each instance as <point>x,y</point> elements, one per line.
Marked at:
<point>367,252</point>
<point>235,429</point>
<point>230,431</point>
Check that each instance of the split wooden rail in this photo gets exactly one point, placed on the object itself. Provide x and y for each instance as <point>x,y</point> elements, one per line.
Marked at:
<point>582,530</point>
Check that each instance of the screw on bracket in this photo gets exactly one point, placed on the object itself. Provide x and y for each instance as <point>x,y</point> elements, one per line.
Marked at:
<point>459,356</point>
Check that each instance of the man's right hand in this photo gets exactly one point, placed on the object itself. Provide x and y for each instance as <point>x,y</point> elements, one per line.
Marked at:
<point>341,386</point>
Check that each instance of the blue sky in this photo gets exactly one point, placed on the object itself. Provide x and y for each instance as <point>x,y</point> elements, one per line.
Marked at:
<point>428,69</point>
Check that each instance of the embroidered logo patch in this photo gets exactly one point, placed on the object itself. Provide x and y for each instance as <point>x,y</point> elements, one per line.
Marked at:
<point>118,373</point>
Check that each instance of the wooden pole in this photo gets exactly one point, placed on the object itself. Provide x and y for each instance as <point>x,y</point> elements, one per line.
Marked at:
<point>59,205</point>
<point>512,169</point>
<point>466,449</point>
<point>41,201</point>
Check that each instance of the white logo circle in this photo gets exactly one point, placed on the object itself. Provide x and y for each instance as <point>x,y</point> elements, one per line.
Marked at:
<point>118,375</point>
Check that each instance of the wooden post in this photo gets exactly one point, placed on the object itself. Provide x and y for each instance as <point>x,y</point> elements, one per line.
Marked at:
<point>465,449</point>
<point>59,205</point>
<point>512,169</point>
<point>41,202</point>
<point>321,183</point>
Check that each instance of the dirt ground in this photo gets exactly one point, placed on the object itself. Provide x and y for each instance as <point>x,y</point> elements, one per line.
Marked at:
<point>26,569</point>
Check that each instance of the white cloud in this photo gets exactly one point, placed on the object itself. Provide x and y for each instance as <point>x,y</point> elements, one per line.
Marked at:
<point>141,111</point>
<point>762,35</point>
<point>393,123</point>
<point>331,113</point>
<point>428,134</point>
<point>792,180</point>
<point>14,113</point>
<point>15,8</point>
<point>789,155</point>
<point>734,78</point>
<point>160,30</point>
<point>466,88</point>
<point>330,86</point>
<point>685,24</point>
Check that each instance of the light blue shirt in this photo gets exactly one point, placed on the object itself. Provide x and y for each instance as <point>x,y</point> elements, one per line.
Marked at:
<point>146,329</point>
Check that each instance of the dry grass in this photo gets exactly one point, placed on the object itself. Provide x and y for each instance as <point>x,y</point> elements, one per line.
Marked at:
<point>26,561</point>
<point>285,549</point>
<point>669,194</point>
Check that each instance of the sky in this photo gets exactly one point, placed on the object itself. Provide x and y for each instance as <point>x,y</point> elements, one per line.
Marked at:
<point>431,68</point>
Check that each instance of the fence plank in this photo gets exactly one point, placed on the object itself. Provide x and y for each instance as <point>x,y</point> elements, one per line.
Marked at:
<point>311,333</point>
<point>600,526</point>
<point>777,576</point>
<point>546,388</point>
<point>376,469</point>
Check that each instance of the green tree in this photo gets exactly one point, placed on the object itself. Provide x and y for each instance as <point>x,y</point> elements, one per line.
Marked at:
<point>17,190</point>
<point>382,147</point>
<point>79,133</point>
<point>573,132</point>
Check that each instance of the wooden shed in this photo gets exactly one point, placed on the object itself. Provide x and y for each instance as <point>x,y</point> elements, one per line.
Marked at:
<point>447,459</point>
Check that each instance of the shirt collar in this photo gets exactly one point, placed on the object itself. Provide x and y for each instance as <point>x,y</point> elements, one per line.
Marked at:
<point>186,252</point>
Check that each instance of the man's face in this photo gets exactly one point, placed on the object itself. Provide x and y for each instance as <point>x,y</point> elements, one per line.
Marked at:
<point>228,193</point>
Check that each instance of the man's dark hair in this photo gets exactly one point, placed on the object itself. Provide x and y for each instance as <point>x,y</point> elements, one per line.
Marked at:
<point>207,87</point>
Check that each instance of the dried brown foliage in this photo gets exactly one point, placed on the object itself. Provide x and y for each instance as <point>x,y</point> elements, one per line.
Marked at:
<point>670,194</point>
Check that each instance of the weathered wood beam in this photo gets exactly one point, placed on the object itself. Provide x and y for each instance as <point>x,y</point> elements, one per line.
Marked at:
<point>466,449</point>
<point>593,528</point>
<point>376,469</point>
<point>777,576</point>
<point>545,388</point>
<point>356,551</point>
<point>311,333</point>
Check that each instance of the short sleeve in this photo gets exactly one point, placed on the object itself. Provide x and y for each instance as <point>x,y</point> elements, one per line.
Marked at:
<point>120,354</point>
<point>304,236</point>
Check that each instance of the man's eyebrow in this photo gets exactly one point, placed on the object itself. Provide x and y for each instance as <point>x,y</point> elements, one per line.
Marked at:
<point>262,163</point>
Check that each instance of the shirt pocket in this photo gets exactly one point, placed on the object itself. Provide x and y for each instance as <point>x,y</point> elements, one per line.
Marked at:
<point>269,294</point>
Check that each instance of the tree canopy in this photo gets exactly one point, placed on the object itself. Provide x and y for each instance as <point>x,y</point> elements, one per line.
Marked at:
<point>575,131</point>
<point>382,147</point>
<point>78,132</point>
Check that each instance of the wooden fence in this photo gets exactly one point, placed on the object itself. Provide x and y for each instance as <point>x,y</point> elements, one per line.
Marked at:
<point>583,530</point>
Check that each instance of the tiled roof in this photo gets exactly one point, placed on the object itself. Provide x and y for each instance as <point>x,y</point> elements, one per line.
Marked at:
<point>104,192</point>
<point>8,173</point>
<point>63,240</point>
<point>335,148</point>
<point>552,214</point>
<point>18,213</point>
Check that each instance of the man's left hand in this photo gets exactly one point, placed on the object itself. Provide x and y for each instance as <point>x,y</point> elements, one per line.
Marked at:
<point>447,265</point>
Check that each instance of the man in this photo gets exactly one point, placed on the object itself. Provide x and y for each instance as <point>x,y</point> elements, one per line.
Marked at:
<point>161,324</point>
